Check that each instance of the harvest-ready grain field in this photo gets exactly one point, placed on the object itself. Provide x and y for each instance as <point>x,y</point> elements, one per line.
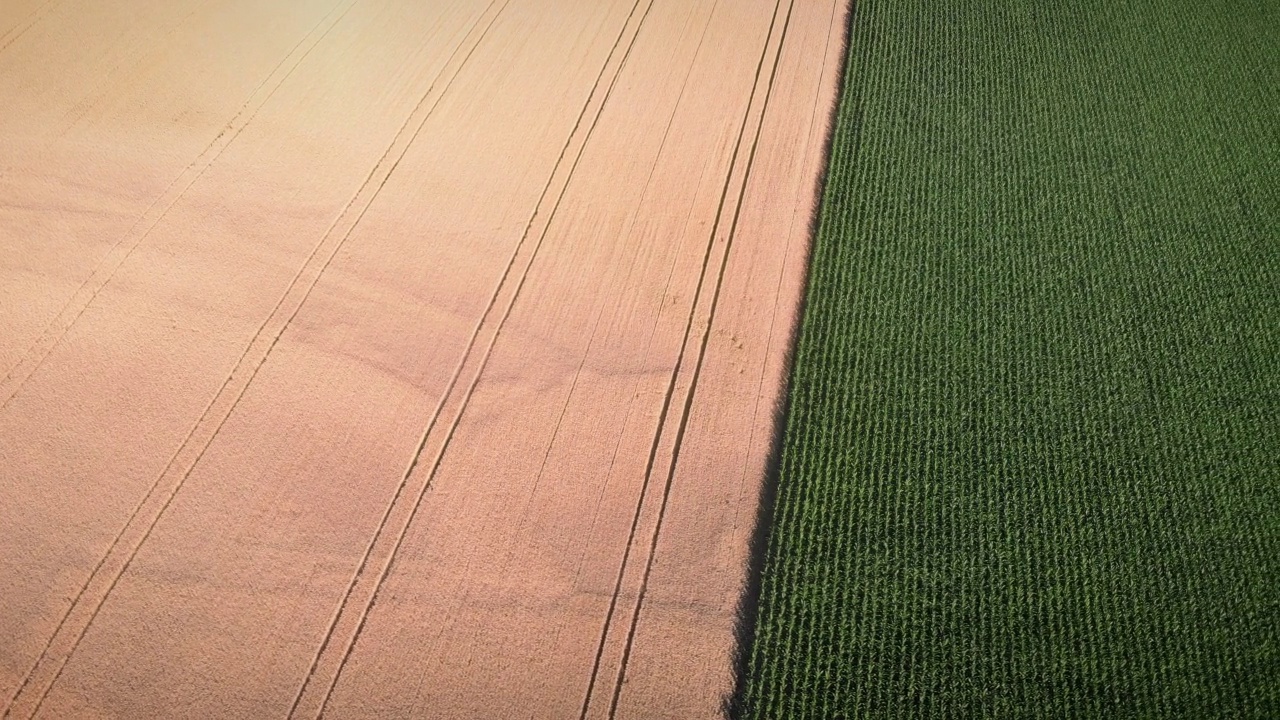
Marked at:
<point>389,359</point>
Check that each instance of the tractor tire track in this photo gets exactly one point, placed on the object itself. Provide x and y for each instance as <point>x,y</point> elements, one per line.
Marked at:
<point>125,547</point>
<point>106,269</point>
<point>351,615</point>
<point>594,688</point>
<point>693,383</point>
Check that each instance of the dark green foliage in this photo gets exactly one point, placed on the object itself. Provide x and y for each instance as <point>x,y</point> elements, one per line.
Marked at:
<point>1032,462</point>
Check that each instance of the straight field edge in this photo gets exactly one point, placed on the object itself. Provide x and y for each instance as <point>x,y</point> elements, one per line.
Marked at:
<point>747,614</point>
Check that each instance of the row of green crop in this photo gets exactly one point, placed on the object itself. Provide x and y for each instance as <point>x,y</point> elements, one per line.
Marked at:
<point>1032,462</point>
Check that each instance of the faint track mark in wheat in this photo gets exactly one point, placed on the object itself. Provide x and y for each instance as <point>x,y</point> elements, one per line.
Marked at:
<point>33,18</point>
<point>229,393</point>
<point>416,459</point>
<point>106,269</point>
<point>669,395</point>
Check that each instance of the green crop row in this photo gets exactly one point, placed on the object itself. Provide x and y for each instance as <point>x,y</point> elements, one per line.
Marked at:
<point>1032,461</point>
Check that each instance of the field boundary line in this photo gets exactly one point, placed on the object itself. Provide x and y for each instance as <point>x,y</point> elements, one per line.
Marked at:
<point>410,510</point>
<point>746,611</point>
<point>230,394</point>
<point>106,268</point>
<point>605,634</point>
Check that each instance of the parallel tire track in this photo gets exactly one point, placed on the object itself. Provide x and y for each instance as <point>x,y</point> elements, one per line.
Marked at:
<point>643,500</point>
<point>125,547</point>
<point>110,264</point>
<point>697,372</point>
<point>116,257</point>
<point>352,613</point>
<point>591,339</point>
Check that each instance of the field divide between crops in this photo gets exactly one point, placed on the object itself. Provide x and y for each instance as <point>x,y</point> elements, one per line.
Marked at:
<point>372,358</point>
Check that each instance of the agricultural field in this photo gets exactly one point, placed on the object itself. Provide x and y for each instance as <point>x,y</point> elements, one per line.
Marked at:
<point>639,359</point>
<point>1032,462</point>
<point>371,358</point>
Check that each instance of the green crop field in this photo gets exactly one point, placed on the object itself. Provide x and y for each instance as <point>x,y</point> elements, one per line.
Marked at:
<point>1031,466</point>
